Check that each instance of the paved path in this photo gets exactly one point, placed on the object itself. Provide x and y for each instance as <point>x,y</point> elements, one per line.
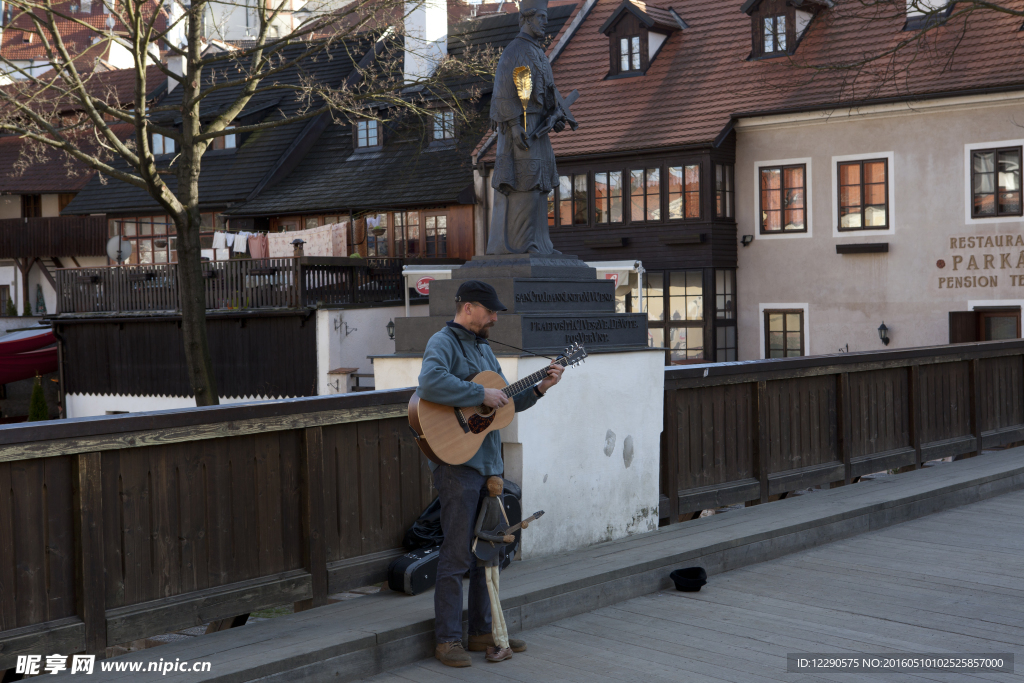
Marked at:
<point>949,582</point>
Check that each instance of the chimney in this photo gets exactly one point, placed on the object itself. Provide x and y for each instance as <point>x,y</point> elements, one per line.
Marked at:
<point>426,37</point>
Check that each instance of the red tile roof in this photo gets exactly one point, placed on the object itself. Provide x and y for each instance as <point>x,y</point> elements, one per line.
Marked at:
<point>77,34</point>
<point>702,77</point>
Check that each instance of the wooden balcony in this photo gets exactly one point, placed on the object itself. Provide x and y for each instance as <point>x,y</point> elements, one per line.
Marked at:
<point>240,284</point>
<point>60,236</point>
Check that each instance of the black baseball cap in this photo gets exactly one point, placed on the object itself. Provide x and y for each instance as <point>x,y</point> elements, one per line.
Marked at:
<point>481,293</point>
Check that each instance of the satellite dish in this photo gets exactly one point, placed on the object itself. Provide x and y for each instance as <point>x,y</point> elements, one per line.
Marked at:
<point>119,249</point>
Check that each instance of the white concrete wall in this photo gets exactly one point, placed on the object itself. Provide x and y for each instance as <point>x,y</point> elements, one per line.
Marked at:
<point>347,337</point>
<point>849,296</point>
<point>588,453</point>
<point>10,206</point>
<point>89,405</point>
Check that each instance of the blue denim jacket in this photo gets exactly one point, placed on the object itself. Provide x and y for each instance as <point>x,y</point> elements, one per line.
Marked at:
<point>451,355</point>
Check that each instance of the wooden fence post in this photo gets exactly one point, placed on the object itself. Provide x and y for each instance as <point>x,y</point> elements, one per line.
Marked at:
<point>762,446</point>
<point>672,455</point>
<point>90,591</point>
<point>844,416</point>
<point>914,396</point>
<point>314,546</point>
<point>972,390</point>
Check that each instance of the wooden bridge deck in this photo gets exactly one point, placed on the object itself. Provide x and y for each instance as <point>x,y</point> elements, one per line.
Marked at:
<point>949,582</point>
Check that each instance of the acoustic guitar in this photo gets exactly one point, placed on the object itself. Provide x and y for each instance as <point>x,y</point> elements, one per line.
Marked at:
<point>451,436</point>
<point>486,550</point>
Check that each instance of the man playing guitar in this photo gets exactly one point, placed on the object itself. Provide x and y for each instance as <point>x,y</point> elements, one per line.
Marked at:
<point>457,351</point>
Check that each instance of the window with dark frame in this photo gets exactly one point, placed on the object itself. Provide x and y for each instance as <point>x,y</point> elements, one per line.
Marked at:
<point>724,191</point>
<point>608,197</point>
<point>31,206</point>
<point>444,125</point>
<point>435,235</point>
<point>644,195</point>
<point>573,205</point>
<point>684,191</point>
<point>864,195</point>
<point>226,141</point>
<point>153,238</point>
<point>629,54</point>
<point>783,333</point>
<point>407,233</point>
<point>725,315</point>
<point>376,245</point>
<point>774,35</point>
<point>995,182</point>
<point>367,133</point>
<point>782,197</point>
<point>675,314</point>
<point>551,207</point>
<point>996,325</point>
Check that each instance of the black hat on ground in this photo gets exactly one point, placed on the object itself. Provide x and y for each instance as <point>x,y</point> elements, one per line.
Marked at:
<point>481,293</point>
<point>690,579</point>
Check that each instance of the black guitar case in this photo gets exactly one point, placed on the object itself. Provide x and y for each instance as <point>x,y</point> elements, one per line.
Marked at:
<point>416,571</point>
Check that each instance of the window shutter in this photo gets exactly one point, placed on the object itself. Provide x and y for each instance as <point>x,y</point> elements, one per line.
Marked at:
<point>963,327</point>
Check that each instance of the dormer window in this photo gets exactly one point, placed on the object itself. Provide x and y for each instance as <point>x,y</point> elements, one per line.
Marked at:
<point>444,125</point>
<point>778,25</point>
<point>774,34</point>
<point>636,31</point>
<point>367,134</point>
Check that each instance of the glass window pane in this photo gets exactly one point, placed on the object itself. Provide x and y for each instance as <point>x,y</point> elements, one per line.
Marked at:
<point>654,293</point>
<point>794,177</point>
<point>874,172</point>
<point>849,196</point>
<point>128,228</point>
<point>601,197</point>
<point>579,199</point>
<point>636,194</point>
<point>984,162</point>
<point>1000,327</point>
<point>686,344</point>
<point>653,194</point>
<point>635,49</point>
<point>312,222</point>
<point>792,322</point>
<point>615,192</point>
<point>794,219</point>
<point>874,216</point>
<point>675,192</point>
<point>655,337</point>
<point>769,36</point>
<point>159,227</point>
<point>849,174</point>
<point>780,33</point>
<point>564,200</point>
<point>771,179</point>
<point>145,251</point>
<point>146,226</point>
<point>775,322</point>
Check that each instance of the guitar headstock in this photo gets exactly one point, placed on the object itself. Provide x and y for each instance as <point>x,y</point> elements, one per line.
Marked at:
<point>574,354</point>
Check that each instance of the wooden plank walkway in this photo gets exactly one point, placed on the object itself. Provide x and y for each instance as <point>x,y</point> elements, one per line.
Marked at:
<point>377,633</point>
<point>949,582</point>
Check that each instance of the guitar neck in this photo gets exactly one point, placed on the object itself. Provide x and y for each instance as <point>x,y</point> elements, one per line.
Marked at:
<point>516,527</point>
<point>525,383</point>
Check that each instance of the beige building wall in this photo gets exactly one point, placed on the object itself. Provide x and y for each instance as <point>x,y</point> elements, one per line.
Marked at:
<point>846,297</point>
<point>10,206</point>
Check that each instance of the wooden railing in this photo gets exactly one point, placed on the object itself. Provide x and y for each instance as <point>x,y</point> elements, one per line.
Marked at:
<point>122,527</point>
<point>751,431</point>
<point>233,285</point>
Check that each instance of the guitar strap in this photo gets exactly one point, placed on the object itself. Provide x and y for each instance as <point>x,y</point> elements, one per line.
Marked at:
<point>459,342</point>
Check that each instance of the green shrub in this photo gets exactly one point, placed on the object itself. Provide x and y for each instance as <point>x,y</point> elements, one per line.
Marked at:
<point>37,408</point>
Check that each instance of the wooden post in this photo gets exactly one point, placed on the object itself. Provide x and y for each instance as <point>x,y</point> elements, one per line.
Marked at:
<point>314,546</point>
<point>762,445</point>
<point>972,390</point>
<point>914,396</point>
<point>90,593</point>
<point>672,455</point>
<point>844,428</point>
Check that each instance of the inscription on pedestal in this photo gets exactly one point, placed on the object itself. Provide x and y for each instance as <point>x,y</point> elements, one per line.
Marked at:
<point>554,331</point>
<point>565,295</point>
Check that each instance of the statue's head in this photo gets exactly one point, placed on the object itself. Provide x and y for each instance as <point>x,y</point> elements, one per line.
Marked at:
<point>495,486</point>
<point>533,17</point>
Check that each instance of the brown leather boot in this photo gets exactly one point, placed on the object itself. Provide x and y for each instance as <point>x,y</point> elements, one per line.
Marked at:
<point>452,654</point>
<point>498,654</point>
<point>486,640</point>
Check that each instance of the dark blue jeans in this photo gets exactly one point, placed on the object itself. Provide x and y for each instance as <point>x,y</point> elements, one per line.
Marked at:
<point>460,489</point>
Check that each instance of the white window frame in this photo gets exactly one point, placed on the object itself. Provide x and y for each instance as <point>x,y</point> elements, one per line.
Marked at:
<point>761,308</point>
<point>968,190</point>
<point>890,181</point>
<point>758,165</point>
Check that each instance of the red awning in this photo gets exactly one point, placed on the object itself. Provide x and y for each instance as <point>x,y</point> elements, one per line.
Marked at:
<point>25,354</point>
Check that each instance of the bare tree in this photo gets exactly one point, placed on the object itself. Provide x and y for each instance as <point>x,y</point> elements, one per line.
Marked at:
<point>68,109</point>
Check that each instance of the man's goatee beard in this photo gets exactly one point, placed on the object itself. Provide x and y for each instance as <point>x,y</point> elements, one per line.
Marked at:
<point>485,332</point>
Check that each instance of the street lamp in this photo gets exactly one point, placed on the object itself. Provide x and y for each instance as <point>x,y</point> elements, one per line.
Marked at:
<point>391,329</point>
<point>883,333</point>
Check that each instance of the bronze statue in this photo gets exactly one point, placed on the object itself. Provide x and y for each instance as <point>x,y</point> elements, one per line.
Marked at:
<point>525,107</point>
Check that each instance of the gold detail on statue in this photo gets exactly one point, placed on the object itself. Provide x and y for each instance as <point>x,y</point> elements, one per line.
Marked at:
<point>524,87</point>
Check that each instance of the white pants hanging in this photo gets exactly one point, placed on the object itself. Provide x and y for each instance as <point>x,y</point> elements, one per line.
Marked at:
<point>498,628</point>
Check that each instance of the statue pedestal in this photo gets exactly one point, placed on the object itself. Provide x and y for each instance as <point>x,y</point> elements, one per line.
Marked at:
<point>588,454</point>
<point>553,301</point>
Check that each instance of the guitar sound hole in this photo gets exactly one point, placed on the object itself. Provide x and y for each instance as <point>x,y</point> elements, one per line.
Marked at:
<point>485,410</point>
